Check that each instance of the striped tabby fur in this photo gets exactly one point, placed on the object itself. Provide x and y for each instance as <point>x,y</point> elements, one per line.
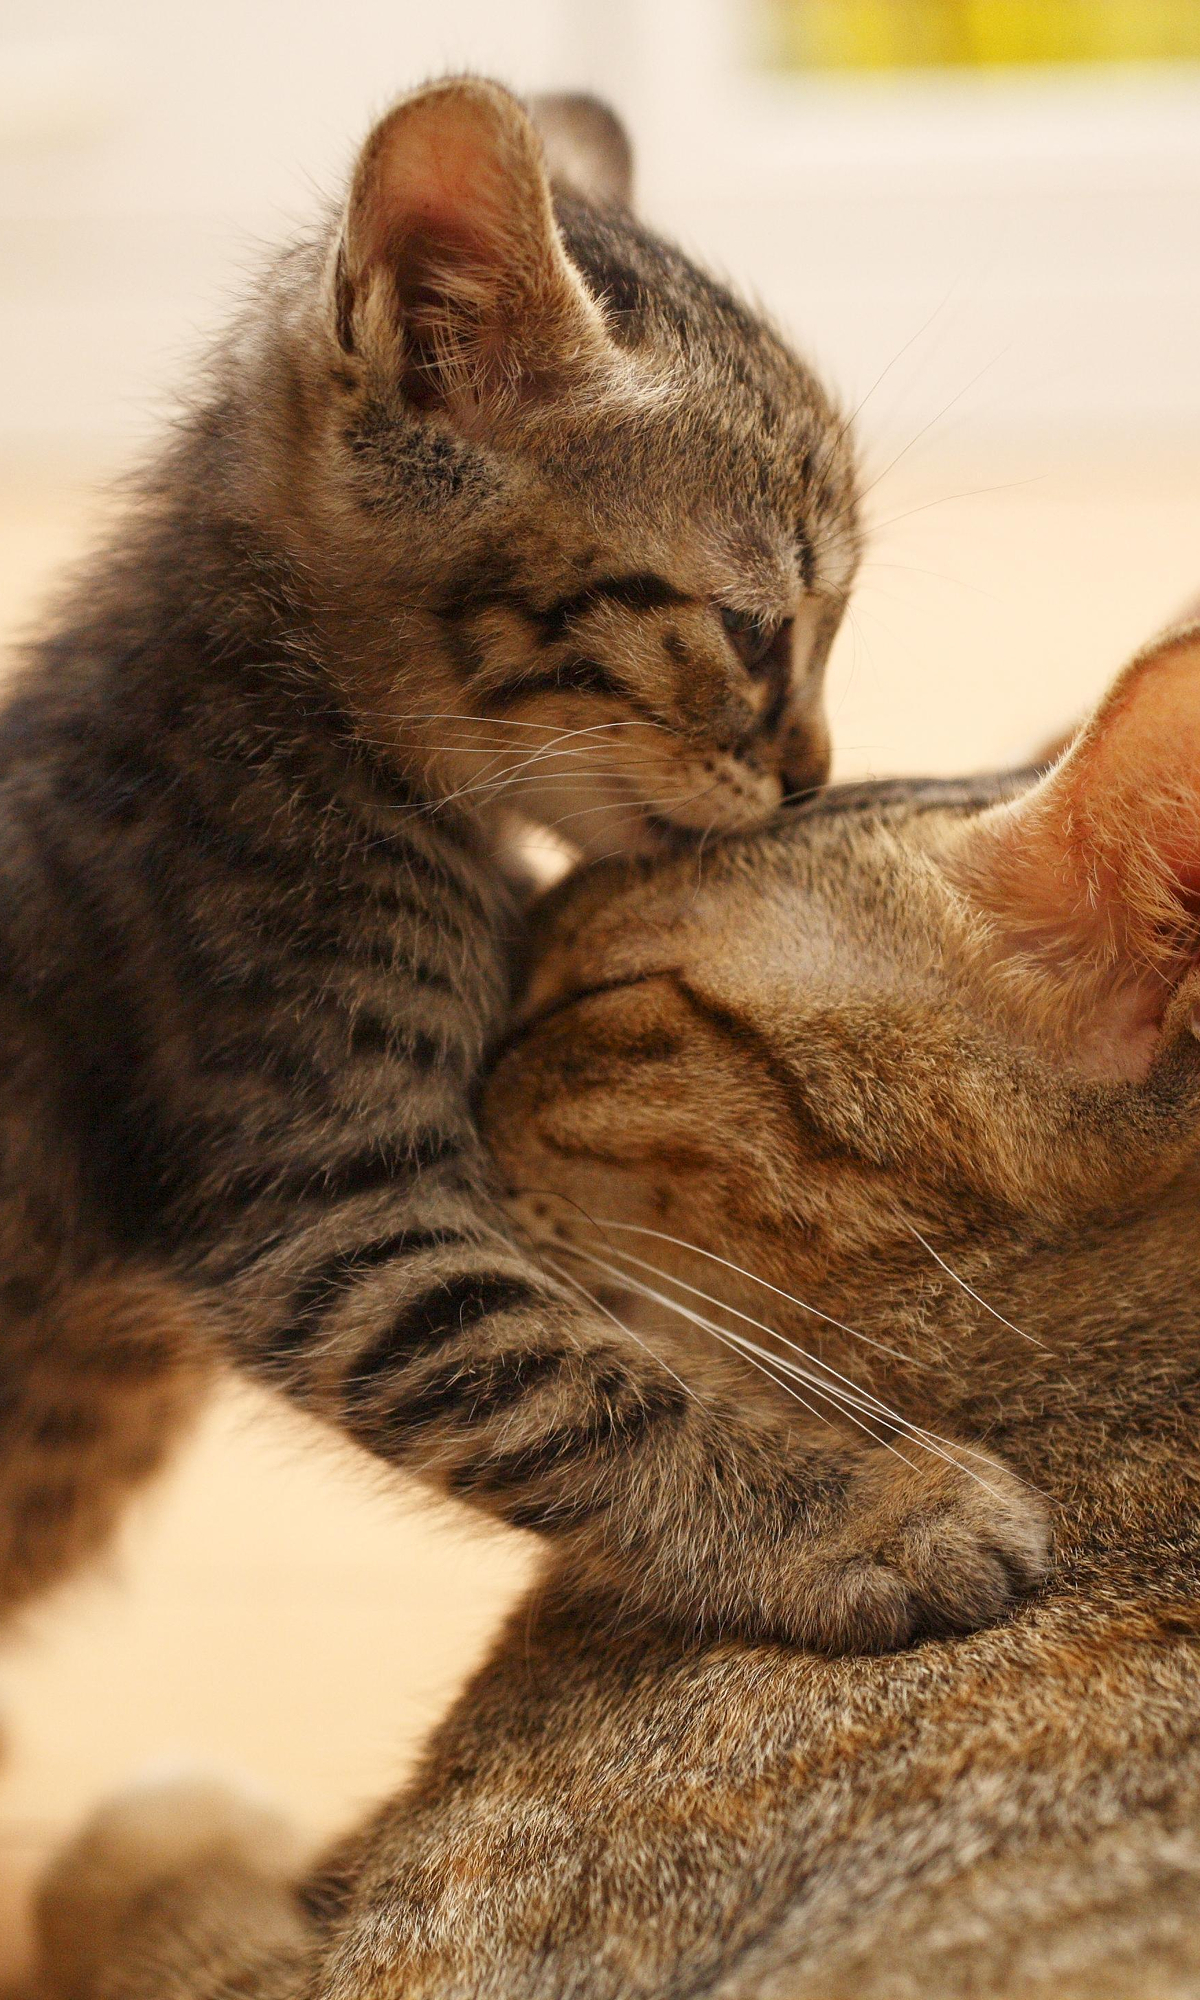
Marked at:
<point>490,503</point>
<point>933,1063</point>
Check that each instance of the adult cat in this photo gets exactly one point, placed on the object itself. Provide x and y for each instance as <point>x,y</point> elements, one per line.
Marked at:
<point>905,1030</point>
<point>490,497</point>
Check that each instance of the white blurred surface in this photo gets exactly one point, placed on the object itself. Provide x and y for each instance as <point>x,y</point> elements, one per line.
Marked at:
<point>1022,247</point>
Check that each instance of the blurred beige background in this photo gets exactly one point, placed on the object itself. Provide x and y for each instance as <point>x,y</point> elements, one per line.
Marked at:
<point>1002,274</point>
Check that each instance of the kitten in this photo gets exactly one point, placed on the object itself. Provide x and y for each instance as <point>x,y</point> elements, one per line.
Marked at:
<point>490,500</point>
<point>930,1062</point>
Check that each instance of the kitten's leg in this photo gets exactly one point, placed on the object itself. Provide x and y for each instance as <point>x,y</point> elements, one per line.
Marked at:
<point>175,1892</point>
<point>409,1321</point>
<point>334,1212</point>
<point>100,1375</point>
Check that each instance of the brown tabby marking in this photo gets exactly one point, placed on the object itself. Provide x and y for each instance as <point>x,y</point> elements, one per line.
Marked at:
<point>956,1108</point>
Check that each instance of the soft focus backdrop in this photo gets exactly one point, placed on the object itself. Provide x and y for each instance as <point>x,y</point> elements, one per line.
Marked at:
<point>981,217</point>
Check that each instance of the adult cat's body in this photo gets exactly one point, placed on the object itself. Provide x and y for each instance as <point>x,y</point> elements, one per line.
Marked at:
<point>890,1033</point>
<point>492,498</point>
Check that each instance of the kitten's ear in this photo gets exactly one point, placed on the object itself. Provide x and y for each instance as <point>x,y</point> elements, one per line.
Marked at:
<point>1097,869</point>
<point>451,267</point>
<point>588,149</point>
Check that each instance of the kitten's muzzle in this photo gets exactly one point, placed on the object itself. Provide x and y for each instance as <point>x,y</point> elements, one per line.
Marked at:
<point>806,762</point>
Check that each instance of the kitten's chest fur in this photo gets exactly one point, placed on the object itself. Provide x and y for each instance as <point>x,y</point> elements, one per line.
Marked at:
<point>215,897</point>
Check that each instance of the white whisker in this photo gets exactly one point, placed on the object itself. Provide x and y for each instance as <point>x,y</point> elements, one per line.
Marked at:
<point>566,1278</point>
<point>863,1398</point>
<point>839,1389</point>
<point>972,1294</point>
<point>640,1229</point>
<point>772,1365</point>
<point>551,1264</point>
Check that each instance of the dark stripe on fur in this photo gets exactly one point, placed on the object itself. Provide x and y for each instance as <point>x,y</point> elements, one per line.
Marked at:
<point>378,1166</point>
<point>435,1316</point>
<point>615,1427</point>
<point>333,1278</point>
<point>579,674</point>
<point>468,1392</point>
<point>642,591</point>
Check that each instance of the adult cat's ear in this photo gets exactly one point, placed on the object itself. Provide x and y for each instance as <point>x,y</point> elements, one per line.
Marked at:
<point>588,149</point>
<point>1097,870</point>
<point>451,268</point>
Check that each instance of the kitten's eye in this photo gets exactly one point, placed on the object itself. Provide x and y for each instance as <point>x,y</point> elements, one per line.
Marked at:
<point>757,644</point>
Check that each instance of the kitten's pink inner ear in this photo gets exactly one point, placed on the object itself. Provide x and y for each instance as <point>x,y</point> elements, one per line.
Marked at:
<point>452,266</point>
<point>1101,861</point>
<point>447,168</point>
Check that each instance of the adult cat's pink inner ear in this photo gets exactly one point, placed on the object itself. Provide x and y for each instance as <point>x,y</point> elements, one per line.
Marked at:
<point>451,254</point>
<point>1097,870</point>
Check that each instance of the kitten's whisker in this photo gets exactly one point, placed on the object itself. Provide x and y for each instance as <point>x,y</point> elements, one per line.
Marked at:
<point>857,501</point>
<point>973,1294</point>
<point>538,752</point>
<point>849,421</point>
<point>517,774</point>
<point>501,781</point>
<point>636,804</point>
<point>504,722</point>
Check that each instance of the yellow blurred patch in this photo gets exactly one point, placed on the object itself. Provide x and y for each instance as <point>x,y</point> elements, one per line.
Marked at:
<point>912,34</point>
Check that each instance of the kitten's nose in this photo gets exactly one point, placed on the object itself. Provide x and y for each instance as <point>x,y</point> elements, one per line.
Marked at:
<point>805,761</point>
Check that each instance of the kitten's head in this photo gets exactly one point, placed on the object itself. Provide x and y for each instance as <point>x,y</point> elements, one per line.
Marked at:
<point>898,1009</point>
<point>563,502</point>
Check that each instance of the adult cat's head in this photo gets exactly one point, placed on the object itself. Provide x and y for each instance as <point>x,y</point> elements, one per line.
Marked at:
<point>555,498</point>
<point>965,1012</point>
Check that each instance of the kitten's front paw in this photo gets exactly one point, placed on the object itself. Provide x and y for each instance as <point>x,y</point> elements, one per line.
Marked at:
<point>920,1550</point>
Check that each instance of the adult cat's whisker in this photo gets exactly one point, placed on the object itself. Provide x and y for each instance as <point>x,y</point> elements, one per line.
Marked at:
<point>576,1284</point>
<point>831,1383</point>
<point>773,1365</point>
<point>680,1243</point>
<point>552,1265</point>
<point>759,1358</point>
<point>845,1403</point>
<point>973,1294</point>
<point>843,1395</point>
<point>815,1360</point>
<point>883,1410</point>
